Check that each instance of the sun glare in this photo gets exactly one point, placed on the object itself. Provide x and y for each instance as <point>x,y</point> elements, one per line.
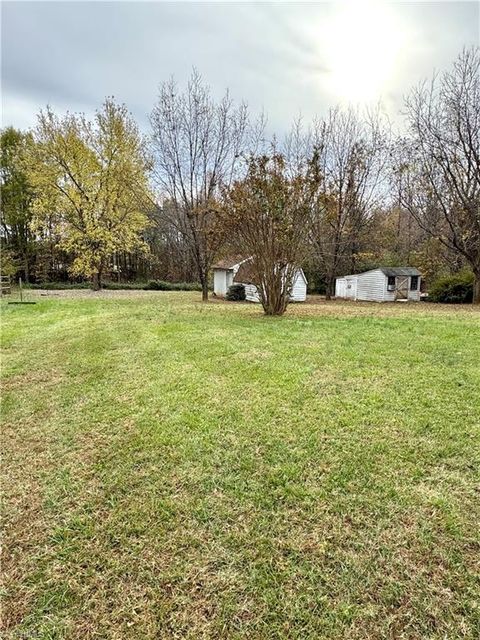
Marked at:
<point>363,43</point>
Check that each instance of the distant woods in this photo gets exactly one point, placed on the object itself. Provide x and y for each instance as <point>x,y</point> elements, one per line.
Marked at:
<point>95,199</point>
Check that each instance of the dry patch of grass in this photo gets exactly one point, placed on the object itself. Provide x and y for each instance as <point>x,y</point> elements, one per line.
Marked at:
<point>174,469</point>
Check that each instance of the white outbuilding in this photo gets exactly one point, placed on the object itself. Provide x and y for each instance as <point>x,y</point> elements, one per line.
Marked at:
<point>238,271</point>
<point>224,272</point>
<point>385,284</point>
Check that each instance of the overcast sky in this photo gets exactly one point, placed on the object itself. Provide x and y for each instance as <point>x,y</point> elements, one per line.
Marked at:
<point>283,58</point>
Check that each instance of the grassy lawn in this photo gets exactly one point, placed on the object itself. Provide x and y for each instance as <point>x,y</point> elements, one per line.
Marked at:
<point>179,470</point>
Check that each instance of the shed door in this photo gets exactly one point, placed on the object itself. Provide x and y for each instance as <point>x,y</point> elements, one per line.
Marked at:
<point>401,288</point>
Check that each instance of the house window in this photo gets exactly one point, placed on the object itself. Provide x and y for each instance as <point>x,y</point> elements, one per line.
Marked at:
<point>413,283</point>
<point>391,283</point>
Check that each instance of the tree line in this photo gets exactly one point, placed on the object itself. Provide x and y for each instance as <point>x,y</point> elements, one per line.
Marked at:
<point>96,199</point>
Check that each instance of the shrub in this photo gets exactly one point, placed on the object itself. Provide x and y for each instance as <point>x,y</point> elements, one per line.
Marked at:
<point>161,285</point>
<point>235,293</point>
<point>158,285</point>
<point>124,286</point>
<point>59,285</point>
<point>153,285</point>
<point>453,289</point>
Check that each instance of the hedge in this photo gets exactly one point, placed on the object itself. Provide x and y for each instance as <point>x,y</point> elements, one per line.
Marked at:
<point>152,285</point>
<point>453,289</point>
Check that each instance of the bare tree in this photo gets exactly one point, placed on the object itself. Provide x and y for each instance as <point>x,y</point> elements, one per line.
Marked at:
<point>352,152</point>
<point>269,213</point>
<point>440,166</point>
<point>198,143</point>
<point>173,255</point>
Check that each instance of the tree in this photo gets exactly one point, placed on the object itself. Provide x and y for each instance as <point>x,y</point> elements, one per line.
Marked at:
<point>269,214</point>
<point>351,155</point>
<point>172,253</point>
<point>440,166</point>
<point>16,198</point>
<point>91,185</point>
<point>198,144</point>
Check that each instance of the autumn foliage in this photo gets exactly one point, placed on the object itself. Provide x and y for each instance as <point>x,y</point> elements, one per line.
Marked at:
<point>91,185</point>
<point>269,213</point>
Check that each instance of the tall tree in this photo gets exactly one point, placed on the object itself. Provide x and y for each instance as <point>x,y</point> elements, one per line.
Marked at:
<point>440,166</point>
<point>352,151</point>
<point>269,215</point>
<point>16,198</point>
<point>198,143</point>
<point>91,184</point>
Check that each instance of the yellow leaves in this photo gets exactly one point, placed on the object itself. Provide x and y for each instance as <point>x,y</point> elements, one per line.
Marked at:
<point>93,177</point>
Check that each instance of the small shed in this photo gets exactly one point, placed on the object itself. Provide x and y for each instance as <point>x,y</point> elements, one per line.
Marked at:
<point>238,271</point>
<point>385,284</point>
<point>223,273</point>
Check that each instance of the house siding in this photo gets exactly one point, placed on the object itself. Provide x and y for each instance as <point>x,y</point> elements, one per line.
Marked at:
<point>371,286</point>
<point>223,278</point>
<point>298,293</point>
<point>346,287</point>
<point>220,282</point>
<point>251,293</point>
<point>340,288</point>
<point>299,288</point>
<point>414,295</point>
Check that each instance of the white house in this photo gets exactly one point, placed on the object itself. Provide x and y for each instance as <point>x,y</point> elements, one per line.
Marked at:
<point>385,284</point>
<point>237,271</point>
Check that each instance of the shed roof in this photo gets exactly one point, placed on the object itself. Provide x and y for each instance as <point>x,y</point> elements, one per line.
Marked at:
<point>229,262</point>
<point>400,271</point>
<point>388,271</point>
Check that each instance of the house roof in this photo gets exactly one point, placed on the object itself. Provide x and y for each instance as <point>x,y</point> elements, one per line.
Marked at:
<point>229,262</point>
<point>400,271</point>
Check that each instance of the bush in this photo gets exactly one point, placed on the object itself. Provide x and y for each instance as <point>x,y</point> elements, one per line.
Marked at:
<point>124,286</point>
<point>161,285</point>
<point>235,293</point>
<point>59,285</point>
<point>453,289</point>
<point>153,285</point>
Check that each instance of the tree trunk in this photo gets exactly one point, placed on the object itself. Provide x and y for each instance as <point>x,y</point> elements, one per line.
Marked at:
<point>476,287</point>
<point>274,308</point>
<point>330,290</point>
<point>204,281</point>
<point>96,281</point>
<point>275,299</point>
<point>26,270</point>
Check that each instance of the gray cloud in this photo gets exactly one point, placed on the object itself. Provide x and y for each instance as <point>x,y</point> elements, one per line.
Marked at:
<point>72,54</point>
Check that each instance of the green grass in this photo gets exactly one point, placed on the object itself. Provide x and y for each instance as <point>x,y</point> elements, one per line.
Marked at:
<point>179,470</point>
